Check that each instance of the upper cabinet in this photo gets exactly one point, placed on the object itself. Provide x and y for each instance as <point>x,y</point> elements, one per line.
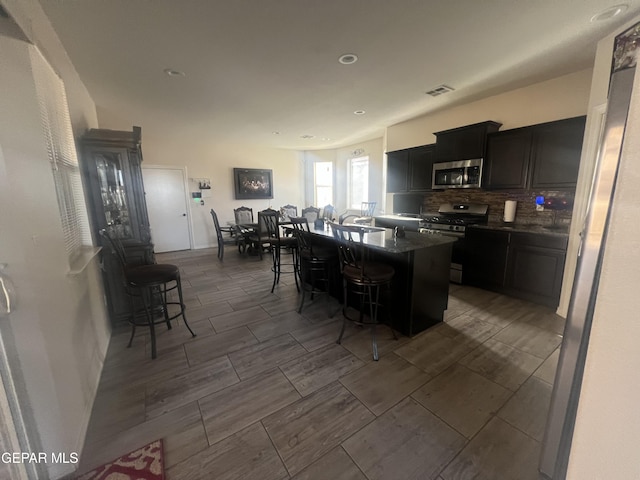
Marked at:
<point>410,170</point>
<point>398,171</point>
<point>506,164</point>
<point>464,143</point>
<point>544,156</point>
<point>556,153</point>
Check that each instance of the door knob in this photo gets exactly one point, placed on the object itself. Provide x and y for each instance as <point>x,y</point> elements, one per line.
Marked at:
<point>184,214</point>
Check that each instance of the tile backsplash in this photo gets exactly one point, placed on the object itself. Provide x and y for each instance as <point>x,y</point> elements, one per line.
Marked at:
<point>526,212</point>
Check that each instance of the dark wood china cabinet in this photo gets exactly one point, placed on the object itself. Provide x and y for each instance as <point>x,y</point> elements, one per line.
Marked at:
<point>112,176</point>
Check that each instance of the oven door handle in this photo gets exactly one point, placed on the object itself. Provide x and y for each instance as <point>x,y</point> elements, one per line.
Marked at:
<point>448,233</point>
<point>452,234</point>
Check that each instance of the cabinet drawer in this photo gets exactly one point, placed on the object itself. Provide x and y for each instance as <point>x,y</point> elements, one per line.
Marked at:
<point>556,242</point>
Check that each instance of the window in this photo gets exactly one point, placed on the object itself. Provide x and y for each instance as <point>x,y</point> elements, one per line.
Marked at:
<point>358,182</point>
<point>56,125</point>
<point>323,183</point>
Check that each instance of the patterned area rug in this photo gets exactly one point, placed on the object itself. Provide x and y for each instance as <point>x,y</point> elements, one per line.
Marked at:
<point>146,463</point>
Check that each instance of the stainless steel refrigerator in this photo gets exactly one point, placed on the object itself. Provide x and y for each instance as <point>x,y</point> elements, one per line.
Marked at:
<point>564,400</point>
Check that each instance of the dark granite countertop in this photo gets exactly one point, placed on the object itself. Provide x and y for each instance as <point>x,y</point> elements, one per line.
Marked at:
<point>382,239</point>
<point>556,230</point>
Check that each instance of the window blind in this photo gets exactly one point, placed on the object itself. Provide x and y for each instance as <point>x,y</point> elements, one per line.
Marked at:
<point>58,135</point>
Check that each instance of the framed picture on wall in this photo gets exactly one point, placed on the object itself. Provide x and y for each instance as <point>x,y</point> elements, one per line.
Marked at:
<point>253,183</point>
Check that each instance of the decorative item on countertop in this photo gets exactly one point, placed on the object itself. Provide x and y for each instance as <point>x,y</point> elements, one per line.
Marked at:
<point>510,210</point>
<point>558,203</point>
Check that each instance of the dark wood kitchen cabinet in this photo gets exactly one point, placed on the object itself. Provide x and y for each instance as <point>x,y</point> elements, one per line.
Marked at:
<point>507,161</point>
<point>464,143</point>
<point>485,261</point>
<point>556,153</point>
<point>520,264</point>
<point>112,177</point>
<point>410,170</point>
<point>421,161</point>
<point>535,267</point>
<point>398,171</point>
<point>544,156</point>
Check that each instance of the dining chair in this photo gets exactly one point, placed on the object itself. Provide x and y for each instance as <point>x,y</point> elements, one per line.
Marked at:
<point>222,241</point>
<point>150,284</point>
<point>329,213</point>
<point>365,217</point>
<point>367,209</point>
<point>365,277</point>
<point>258,237</point>
<point>243,215</point>
<point>315,263</point>
<point>311,214</point>
<point>366,213</point>
<point>279,244</point>
<point>288,211</point>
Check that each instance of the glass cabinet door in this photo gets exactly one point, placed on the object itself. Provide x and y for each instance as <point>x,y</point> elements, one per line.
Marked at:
<point>113,193</point>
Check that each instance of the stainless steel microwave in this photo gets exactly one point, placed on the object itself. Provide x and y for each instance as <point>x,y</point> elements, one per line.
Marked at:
<point>462,174</point>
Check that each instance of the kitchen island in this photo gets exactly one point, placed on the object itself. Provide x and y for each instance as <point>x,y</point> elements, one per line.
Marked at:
<point>420,286</point>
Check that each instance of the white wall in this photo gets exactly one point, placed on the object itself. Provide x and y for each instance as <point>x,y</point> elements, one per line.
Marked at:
<point>215,161</point>
<point>554,99</point>
<point>58,335</point>
<point>607,426</point>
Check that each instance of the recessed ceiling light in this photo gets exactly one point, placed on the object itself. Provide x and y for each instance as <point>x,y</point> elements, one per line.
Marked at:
<point>325,139</point>
<point>609,13</point>
<point>348,58</point>
<point>307,137</point>
<point>359,112</point>
<point>173,73</point>
<point>276,133</point>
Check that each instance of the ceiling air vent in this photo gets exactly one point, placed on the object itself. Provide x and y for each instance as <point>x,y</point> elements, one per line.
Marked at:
<point>439,90</point>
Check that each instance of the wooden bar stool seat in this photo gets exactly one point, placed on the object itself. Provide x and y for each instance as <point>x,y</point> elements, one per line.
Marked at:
<point>315,263</point>
<point>363,277</point>
<point>151,284</point>
<point>278,244</point>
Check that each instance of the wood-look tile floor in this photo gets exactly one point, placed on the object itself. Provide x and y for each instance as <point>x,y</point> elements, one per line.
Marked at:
<point>263,392</point>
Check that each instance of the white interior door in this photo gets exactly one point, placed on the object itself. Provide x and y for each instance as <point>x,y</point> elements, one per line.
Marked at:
<point>166,197</point>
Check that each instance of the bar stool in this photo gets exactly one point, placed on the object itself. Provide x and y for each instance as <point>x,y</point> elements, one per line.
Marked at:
<point>277,244</point>
<point>150,283</point>
<point>315,264</point>
<point>366,277</point>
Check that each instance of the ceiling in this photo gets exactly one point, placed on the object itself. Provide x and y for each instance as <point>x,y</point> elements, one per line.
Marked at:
<point>266,72</point>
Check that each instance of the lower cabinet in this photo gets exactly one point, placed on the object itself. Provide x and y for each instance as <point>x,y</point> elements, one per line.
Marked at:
<point>535,267</point>
<point>523,265</point>
<point>485,261</point>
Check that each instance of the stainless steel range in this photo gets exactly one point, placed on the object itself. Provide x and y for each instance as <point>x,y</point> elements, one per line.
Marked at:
<point>452,220</point>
